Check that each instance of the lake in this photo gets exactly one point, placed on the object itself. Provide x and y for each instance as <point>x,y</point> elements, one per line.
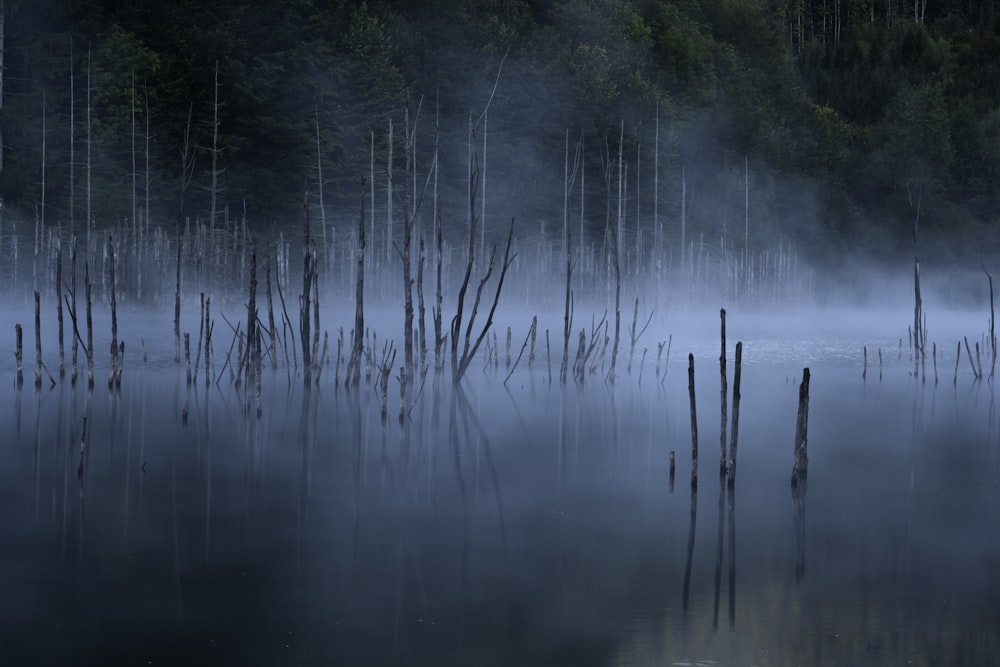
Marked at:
<point>525,523</point>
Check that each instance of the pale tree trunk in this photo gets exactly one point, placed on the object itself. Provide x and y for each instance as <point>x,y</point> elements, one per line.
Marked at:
<point>438,242</point>
<point>215,154</point>
<point>658,243</point>
<point>617,258</point>
<point>145,102</point>
<point>482,184</point>
<point>353,375</point>
<point>388,197</point>
<point>319,182</point>
<point>187,167</point>
<point>3,32</point>
<point>89,189</point>
<point>72,127</point>
<point>683,216</point>
<point>41,214</point>
<point>134,173</point>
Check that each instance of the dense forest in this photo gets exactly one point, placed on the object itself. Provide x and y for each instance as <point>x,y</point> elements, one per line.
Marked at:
<point>832,124</point>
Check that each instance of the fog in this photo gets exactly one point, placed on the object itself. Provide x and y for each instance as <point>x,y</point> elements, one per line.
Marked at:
<point>509,519</point>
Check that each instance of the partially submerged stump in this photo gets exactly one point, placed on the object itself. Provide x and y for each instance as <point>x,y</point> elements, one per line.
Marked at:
<point>694,423</point>
<point>800,468</point>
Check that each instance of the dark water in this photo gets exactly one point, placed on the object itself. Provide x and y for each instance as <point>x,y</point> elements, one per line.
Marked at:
<point>522,525</point>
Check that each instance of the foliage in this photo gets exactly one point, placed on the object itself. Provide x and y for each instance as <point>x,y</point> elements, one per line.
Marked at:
<point>842,115</point>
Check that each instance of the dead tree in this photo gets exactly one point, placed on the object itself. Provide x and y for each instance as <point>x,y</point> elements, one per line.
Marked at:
<point>307,281</point>
<point>460,365</point>
<point>353,375</point>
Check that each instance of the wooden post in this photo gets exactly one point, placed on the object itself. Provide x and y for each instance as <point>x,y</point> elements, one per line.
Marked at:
<point>59,303</point>
<point>801,466</point>
<point>208,341</point>
<point>114,315</point>
<point>74,347</point>
<point>38,340</point>
<point>736,413</point>
<point>177,307</point>
<point>88,289</point>
<point>187,355</point>
<point>19,336</point>
<point>694,423</point>
<point>864,373</point>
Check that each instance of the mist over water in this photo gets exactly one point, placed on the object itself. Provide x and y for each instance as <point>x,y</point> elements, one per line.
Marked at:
<point>517,522</point>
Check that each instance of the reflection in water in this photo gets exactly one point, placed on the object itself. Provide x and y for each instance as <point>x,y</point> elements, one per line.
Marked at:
<point>732,557</point>
<point>718,550</point>
<point>693,520</point>
<point>799,520</point>
<point>477,537</point>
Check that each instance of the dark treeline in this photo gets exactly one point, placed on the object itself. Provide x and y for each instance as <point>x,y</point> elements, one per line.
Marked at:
<point>833,124</point>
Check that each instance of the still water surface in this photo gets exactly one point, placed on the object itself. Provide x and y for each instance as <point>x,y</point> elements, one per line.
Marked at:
<point>522,525</point>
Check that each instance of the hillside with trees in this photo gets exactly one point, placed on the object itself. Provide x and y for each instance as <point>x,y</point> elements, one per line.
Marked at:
<point>830,124</point>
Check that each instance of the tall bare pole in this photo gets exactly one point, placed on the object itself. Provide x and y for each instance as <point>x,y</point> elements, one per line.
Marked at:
<point>44,134</point>
<point>482,185</point>
<point>89,215</point>
<point>72,124</point>
<point>319,183</point>
<point>583,188</point>
<point>388,197</point>
<point>567,314</point>
<point>134,172</point>
<point>215,151</point>
<point>683,216</point>
<point>353,375</point>
<point>618,253</point>
<point>638,218</point>
<point>145,103</point>
<point>371,198</point>
<point>656,185</point>
<point>438,242</point>
<point>3,32</point>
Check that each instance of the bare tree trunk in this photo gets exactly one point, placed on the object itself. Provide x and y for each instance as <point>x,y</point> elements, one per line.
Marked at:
<point>724,407</point>
<point>617,259</point>
<point>62,348</point>
<point>353,375</point>
<point>3,34</point>
<point>388,198</point>
<point>307,278</point>
<point>438,258</point>
<point>215,154</point>
<point>683,217</point>
<point>72,310</point>
<point>89,189</point>
<point>253,340</point>
<point>177,308</point>
<point>72,127</point>
<point>44,137</point>
<point>113,378</point>
<point>736,413</point>
<point>187,165</point>
<point>421,312</point>
<point>409,215</point>
<point>801,466</point>
<point>135,231</point>
<point>694,423</point>
<point>567,312</point>
<point>319,185</point>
